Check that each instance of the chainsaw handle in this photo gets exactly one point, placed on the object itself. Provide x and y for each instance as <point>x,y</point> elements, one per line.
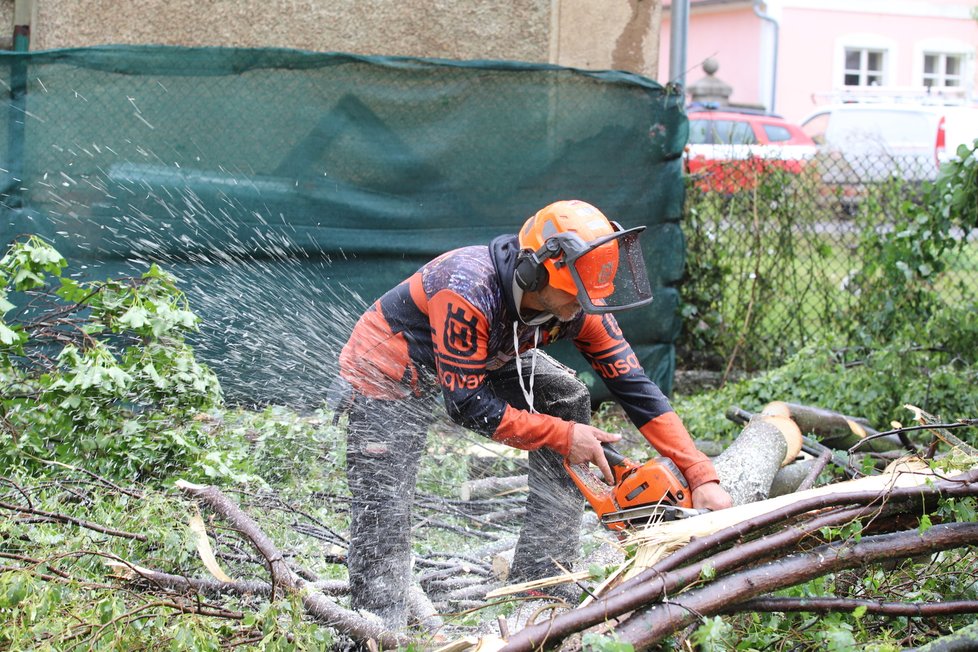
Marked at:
<point>612,455</point>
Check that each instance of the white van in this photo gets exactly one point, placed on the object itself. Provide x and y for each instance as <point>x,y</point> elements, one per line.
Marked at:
<point>879,140</point>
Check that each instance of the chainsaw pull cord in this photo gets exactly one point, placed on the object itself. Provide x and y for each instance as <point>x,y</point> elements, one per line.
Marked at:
<point>527,393</point>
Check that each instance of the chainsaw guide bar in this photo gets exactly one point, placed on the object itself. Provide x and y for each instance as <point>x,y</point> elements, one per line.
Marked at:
<point>650,515</point>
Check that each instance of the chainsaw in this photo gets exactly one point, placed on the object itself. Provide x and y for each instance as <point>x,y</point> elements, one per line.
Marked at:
<point>642,494</point>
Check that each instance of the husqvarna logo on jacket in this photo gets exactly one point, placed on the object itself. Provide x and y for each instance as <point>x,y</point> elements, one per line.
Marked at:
<point>617,367</point>
<point>460,332</point>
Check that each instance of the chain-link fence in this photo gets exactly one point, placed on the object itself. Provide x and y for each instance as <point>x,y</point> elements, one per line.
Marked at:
<point>774,246</point>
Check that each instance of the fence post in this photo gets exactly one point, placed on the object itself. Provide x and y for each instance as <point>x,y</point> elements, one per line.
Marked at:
<point>17,114</point>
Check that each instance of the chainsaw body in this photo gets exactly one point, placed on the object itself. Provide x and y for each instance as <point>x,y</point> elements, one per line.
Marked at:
<point>642,493</point>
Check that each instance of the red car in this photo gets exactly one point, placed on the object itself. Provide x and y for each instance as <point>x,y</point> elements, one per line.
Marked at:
<point>729,148</point>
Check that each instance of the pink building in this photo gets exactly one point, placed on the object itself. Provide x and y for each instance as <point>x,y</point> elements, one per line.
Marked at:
<point>791,55</point>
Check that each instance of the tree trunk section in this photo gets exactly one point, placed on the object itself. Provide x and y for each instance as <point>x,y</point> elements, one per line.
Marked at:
<point>748,466</point>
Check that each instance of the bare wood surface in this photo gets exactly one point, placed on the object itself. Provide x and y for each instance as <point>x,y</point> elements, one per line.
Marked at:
<point>501,564</point>
<point>492,487</point>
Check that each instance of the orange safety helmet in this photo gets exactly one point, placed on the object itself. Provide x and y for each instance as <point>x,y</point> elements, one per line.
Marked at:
<point>572,246</point>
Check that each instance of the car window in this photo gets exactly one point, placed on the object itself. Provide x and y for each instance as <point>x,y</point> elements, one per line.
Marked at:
<point>700,132</point>
<point>777,133</point>
<point>720,132</point>
<point>816,127</point>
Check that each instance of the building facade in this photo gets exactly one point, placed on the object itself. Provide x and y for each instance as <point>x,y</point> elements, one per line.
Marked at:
<point>791,55</point>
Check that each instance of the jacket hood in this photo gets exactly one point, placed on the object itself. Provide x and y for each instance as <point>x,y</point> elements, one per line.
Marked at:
<point>504,251</point>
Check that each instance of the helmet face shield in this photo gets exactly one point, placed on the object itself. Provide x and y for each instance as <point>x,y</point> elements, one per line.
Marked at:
<point>609,272</point>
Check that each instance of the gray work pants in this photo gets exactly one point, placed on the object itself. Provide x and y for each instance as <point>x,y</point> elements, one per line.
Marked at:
<point>385,442</point>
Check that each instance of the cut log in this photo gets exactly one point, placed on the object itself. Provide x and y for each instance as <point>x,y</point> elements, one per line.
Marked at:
<point>790,477</point>
<point>709,447</point>
<point>833,429</point>
<point>492,487</point>
<point>748,466</point>
<point>501,564</point>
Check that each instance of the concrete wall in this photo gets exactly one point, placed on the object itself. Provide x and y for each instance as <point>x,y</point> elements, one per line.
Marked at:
<point>594,34</point>
<point>608,34</point>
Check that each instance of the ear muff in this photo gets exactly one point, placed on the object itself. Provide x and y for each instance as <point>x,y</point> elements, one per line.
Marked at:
<point>529,274</point>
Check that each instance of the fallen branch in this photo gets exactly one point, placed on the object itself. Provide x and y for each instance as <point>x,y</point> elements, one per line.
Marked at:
<point>64,518</point>
<point>879,607</point>
<point>653,623</point>
<point>492,487</point>
<point>817,467</point>
<point>318,606</point>
<point>182,584</point>
<point>670,574</point>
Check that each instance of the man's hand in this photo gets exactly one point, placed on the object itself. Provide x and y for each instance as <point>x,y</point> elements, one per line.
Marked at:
<point>711,496</point>
<point>585,446</point>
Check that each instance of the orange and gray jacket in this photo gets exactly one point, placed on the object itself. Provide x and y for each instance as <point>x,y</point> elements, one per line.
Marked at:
<point>455,319</point>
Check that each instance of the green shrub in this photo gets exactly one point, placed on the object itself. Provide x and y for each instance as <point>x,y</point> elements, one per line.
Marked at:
<point>97,373</point>
<point>872,383</point>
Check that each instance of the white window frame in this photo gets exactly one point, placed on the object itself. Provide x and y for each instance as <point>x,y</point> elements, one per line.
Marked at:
<point>946,48</point>
<point>863,72</point>
<point>940,78</point>
<point>865,42</point>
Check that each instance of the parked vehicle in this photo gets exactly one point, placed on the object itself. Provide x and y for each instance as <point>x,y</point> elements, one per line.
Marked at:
<point>880,140</point>
<point>729,147</point>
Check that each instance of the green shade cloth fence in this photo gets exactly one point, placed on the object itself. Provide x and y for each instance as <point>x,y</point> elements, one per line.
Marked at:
<point>288,189</point>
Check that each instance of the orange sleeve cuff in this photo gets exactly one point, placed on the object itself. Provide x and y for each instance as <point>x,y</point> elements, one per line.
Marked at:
<point>669,436</point>
<point>529,431</point>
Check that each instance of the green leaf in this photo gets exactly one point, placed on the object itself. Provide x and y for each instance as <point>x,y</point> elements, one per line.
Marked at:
<point>925,524</point>
<point>5,306</point>
<point>8,337</point>
<point>136,317</point>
